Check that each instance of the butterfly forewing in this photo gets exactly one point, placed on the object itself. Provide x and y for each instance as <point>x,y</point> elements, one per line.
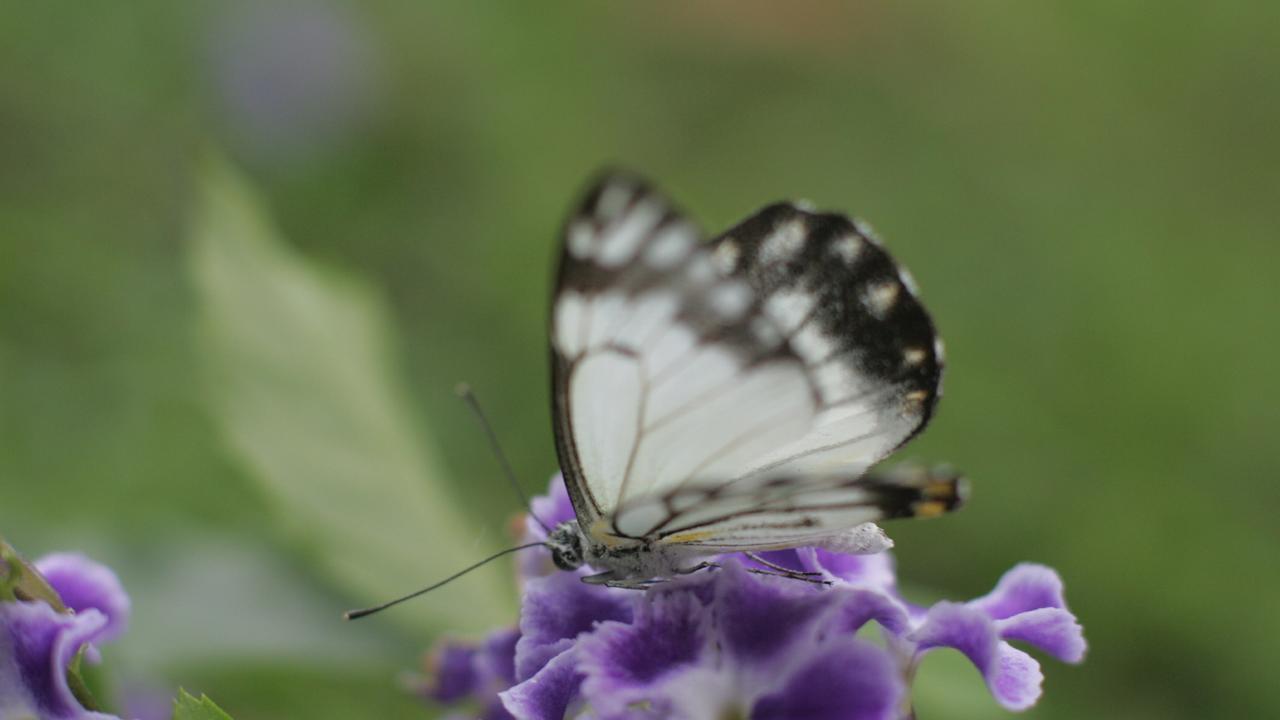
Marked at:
<point>652,349</point>
<point>718,391</point>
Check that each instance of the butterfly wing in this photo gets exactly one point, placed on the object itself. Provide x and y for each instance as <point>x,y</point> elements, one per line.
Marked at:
<point>785,358</point>
<point>788,511</point>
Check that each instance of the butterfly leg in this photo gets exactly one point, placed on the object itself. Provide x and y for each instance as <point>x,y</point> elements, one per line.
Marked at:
<point>774,566</point>
<point>784,572</point>
<point>610,579</point>
<point>789,576</point>
<point>605,578</point>
<point>634,583</point>
<point>696,568</point>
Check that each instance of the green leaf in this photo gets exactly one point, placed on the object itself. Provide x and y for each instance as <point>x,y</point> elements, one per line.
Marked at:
<point>187,707</point>
<point>20,581</point>
<point>304,388</point>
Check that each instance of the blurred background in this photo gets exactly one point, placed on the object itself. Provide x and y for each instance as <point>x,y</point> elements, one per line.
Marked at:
<point>253,420</point>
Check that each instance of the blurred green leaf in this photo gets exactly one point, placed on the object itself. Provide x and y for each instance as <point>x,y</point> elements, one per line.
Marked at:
<point>303,387</point>
<point>187,707</point>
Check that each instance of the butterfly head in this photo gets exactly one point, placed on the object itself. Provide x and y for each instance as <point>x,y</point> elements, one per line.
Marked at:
<point>565,543</point>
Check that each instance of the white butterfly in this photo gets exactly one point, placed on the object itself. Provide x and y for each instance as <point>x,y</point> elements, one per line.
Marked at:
<point>731,396</point>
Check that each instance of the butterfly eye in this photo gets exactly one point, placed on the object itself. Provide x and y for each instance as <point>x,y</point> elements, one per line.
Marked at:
<point>567,556</point>
<point>566,547</point>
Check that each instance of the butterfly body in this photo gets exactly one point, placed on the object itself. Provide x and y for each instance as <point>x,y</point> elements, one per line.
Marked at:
<point>732,395</point>
<point>621,560</point>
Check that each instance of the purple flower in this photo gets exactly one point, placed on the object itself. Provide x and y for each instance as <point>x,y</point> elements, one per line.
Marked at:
<point>731,643</point>
<point>293,77</point>
<point>38,644</point>
<point>734,644</point>
<point>1027,605</point>
<point>460,673</point>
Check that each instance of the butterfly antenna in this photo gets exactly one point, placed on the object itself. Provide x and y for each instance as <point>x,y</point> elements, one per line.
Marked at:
<point>365,612</point>
<point>469,397</point>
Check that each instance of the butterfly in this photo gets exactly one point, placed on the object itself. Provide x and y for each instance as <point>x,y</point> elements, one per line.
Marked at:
<point>732,395</point>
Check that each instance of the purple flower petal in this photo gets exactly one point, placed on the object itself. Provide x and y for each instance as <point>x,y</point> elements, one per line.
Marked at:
<point>1052,630</point>
<point>856,607</point>
<point>1013,676</point>
<point>758,618</point>
<point>493,710</point>
<point>549,693</point>
<point>785,558</point>
<point>1015,682</point>
<point>83,584</point>
<point>966,629</point>
<point>868,571</point>
<point>554,507</point>
<point>452,672</point>
<point>37,645</point>
<point>1025,587</point>
<point>556,610</point>
<point>497,660</point>
<point>627,663</point>
<point>293,76</point>
<point>844,679</point>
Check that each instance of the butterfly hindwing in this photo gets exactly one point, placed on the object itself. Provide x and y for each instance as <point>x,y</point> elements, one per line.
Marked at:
<point>789,511</point>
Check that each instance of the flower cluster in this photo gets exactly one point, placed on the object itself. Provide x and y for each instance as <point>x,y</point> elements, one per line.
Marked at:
<point>732,643</point>
<point>38,643</point>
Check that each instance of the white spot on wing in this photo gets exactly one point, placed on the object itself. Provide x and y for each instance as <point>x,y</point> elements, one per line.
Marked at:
<point>783,243</point>
<point>625,238</point>
<point>880,297</point>
<point>812,343</point>
<point>914,356</point>
<point>789,307</point>
<point>581,239</point>
<point>671,246</point>
<point>836,381</point>
<point>939,350</point>
<point>726,255</point>
<point>730,300</point>
<point>766,333</point>
<point>613,199</point>
<point>848,248</point>
<point>700,270</point>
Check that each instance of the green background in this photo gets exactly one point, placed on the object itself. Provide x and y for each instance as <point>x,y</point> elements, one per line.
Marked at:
<point>1086,191</point>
